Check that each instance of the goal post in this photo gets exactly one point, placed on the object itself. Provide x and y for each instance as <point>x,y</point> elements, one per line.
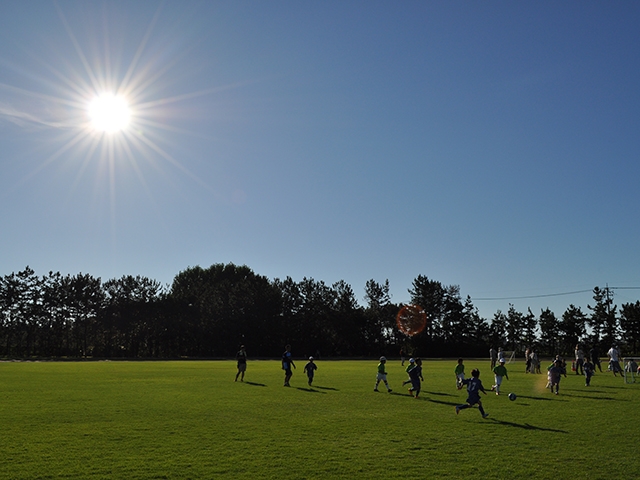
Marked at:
<point>509,356</point>
<point>630,368</point>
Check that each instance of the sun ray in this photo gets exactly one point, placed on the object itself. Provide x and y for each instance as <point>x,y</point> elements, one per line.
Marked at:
<point>136,58</point>
<point>173,161</point>
<point>147,82</point>
<point>89,71</point>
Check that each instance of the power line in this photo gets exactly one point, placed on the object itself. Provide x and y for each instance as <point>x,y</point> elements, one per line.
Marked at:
<point>533,296</point>
<point>550,294</point>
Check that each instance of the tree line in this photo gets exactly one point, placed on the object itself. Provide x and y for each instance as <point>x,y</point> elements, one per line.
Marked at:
<point>209,312</point>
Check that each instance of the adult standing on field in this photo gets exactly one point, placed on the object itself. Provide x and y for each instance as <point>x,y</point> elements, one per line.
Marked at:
<point>241,358</point>
<point>595,358</point>
<point>493,356</point>
<point>579,361</point>
<point>614,361</point>
<point>500,355</point>
<point>287,363</point>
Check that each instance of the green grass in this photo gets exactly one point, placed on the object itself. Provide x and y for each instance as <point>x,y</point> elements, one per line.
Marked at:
<point>144,420</point>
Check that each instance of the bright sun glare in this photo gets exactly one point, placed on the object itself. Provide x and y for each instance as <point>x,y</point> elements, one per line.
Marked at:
<point>109,113</point>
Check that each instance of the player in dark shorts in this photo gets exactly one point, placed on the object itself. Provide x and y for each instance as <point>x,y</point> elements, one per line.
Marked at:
<point>287,363</point>
<point>241,358</point>
<point>474,387</point>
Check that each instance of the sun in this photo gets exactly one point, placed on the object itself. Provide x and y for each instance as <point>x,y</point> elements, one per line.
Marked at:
<point>109,113</point>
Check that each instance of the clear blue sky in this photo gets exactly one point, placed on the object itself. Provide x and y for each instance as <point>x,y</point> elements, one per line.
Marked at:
<point>491,145</point>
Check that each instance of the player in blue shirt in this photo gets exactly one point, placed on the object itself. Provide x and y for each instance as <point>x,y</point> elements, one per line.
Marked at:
<point>287,363</point>
<point>415,374</point>
<point>474,387</point>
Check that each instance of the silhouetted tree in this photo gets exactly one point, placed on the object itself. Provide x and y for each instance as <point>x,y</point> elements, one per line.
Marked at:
<point>572,328</point>
<point>630,324</point>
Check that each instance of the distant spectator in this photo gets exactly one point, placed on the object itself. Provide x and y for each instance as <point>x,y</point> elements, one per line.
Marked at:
<point>493,356</point>
<point>579,354</point>
<point>500,354</point>
<point>631,368</point>
<point>595,358</point>
<point>535,362</point>
<point>614,361</point>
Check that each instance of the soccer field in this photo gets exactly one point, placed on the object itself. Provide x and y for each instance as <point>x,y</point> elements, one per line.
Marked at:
<point>189,419</point>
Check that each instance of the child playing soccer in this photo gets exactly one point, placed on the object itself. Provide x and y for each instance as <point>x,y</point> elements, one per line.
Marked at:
<point>554,373</point>
<point>474,387</point>
<point>499,371</point>
<point>310,369</point>
<point>416,375</point>
<point>382,375</point>
<point>287,363</point>
<point>412,364</point>
<point>459,371</point>
<point>588,369</point>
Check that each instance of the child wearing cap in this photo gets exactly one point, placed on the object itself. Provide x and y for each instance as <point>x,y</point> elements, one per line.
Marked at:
<point>382,374</point>
<point>310,369</point>
<point>499,371</point>
<point>415,376</point>
<point>411,366</point>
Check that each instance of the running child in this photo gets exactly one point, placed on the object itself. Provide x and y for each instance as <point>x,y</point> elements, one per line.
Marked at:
<point>499,371</point>
<point>310,369</point>
<point>588,368</point>
<point>382,375</point>
<point>287,363</point>
<point>411,366</point>
<point>416,375</point>
<point>474,387</point>
<point>554,372</point>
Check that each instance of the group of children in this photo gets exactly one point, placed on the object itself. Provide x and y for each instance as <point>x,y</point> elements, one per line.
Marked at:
<point>555,371</point>
<point>414,370</point>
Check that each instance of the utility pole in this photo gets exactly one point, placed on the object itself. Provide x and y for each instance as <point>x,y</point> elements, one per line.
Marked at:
<point>609,299</point>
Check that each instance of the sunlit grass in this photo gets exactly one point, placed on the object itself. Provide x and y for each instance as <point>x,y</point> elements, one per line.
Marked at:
<point>190,420</point>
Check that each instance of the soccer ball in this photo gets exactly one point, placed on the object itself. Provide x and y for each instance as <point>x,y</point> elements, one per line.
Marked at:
<point>512,396</point>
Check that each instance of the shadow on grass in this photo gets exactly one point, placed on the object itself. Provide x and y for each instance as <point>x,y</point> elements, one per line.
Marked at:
<point>328,388</point>
<point>310,390</point>
<point>535,398</point>
<point>255,384</point>
<point>614,388</point>
<point>590,397</point>
<point>526,426</point>
<point>441,402</point>
<point>400,394</point>
<point>440,394</point>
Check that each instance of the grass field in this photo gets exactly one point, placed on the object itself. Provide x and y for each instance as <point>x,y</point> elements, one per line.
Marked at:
<point>151,420</point>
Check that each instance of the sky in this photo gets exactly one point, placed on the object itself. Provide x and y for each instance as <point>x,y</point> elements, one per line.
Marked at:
<point>490,145</point>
